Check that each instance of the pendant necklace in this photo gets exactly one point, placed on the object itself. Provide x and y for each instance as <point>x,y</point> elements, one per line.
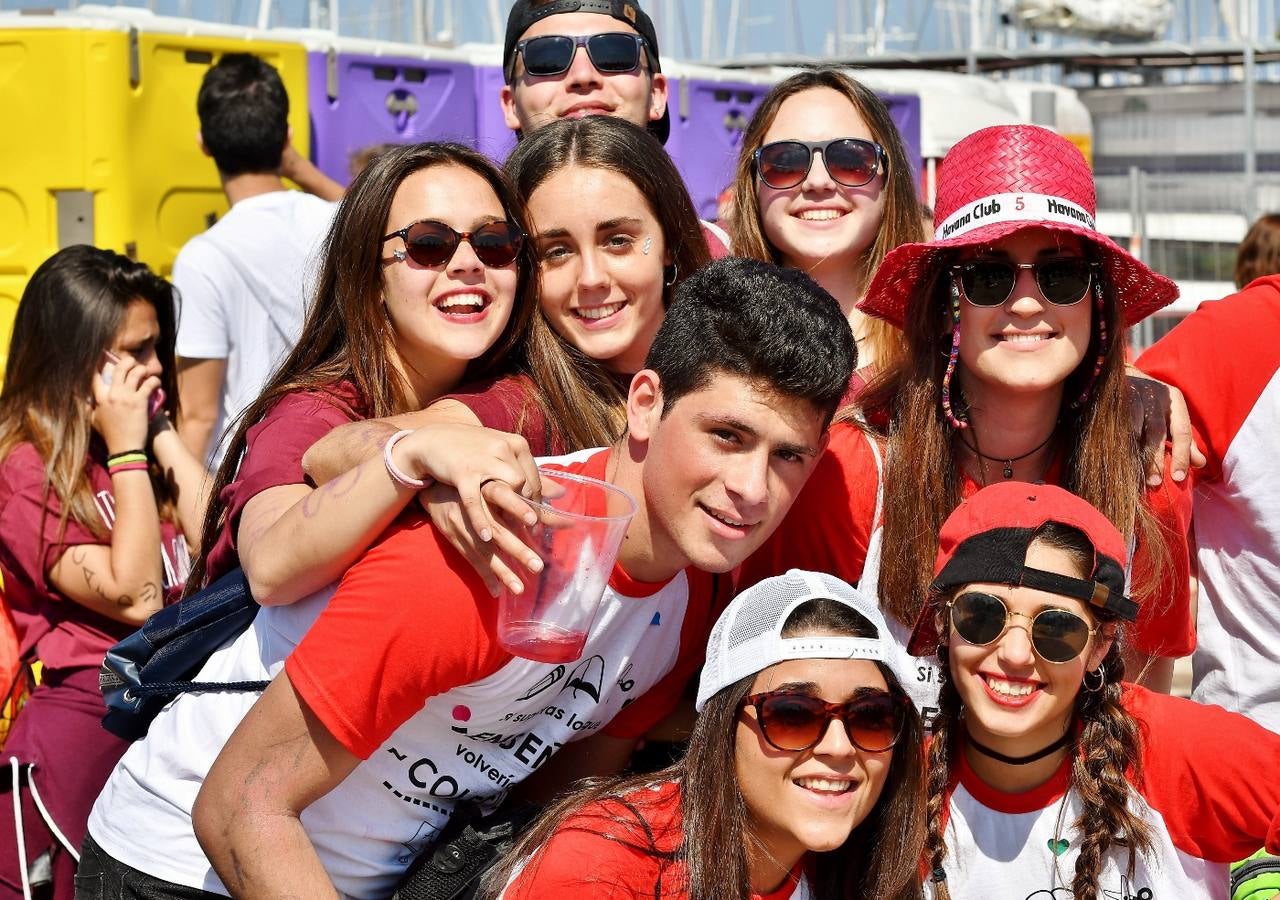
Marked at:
<point>1005,462</point>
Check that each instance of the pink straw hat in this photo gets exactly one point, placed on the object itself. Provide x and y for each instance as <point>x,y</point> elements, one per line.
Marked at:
<point>998,181</point>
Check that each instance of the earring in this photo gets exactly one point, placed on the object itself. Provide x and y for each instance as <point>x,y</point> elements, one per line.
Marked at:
<point>1101,672</point>
<point>399,255</point>
<point>670,279</point>
<point>952,359</point>
<point>1099,313</point>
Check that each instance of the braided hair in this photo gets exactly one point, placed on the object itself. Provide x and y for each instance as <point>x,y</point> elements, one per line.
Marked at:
<point>1106,757</point>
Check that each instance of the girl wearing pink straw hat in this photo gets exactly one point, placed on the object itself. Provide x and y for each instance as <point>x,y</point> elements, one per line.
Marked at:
<point>1048,777</point>
<point>1014,319</point>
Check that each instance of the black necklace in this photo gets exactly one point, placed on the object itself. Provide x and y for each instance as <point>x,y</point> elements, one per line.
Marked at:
<point>1021,760</point>
<point>1007,462</point>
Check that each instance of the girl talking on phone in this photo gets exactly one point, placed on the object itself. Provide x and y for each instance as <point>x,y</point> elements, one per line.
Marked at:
<point>96,492</point>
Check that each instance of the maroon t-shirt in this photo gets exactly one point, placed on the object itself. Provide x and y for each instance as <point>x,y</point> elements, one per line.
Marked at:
<point>273,455</point>
<point>509,403</point>
<point>63,634</point>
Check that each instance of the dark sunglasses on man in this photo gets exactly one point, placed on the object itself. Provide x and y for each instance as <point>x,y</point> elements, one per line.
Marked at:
<point>611,52</point>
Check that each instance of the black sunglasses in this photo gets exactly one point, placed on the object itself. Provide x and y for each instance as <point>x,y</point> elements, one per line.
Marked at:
<point>852,162</point>
<point>990,282</point>
<point>793,722</point>
<point>1057,635</point>
<point>431,243</point>
<point>611,52</point>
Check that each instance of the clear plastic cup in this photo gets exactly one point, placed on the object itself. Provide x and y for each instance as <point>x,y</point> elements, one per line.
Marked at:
<point>581,523</point>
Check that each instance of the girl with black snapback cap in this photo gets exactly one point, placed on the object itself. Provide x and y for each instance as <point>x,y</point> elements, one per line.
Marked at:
<point>1048,777</point>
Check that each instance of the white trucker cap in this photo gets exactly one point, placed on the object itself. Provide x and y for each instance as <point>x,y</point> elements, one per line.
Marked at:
<point>747,638</point>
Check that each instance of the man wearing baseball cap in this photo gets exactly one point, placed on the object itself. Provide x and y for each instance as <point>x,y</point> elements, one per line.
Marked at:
<point>570,58</point>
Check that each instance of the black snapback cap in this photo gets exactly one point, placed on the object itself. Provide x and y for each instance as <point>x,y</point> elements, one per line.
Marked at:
<point>524,13</point>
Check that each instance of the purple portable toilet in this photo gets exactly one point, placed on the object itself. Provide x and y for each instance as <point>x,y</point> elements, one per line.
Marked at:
<point>904,109</point>
<point>710,110</point>
<point>493,137</point>
<point>373,92</point>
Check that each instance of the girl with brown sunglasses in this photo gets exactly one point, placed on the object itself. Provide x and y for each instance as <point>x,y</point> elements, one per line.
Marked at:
<point>802,777</point>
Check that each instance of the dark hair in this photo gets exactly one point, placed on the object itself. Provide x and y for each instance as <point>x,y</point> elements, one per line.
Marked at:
<point>1259,252</point>
<point>1105,756</point>
<point>347,335</point>
<point>576,392</point>
<point>70,312</point>
<point>901,222</point>
<point>877,862</point>
<point>244,112</point>
<point>759,321</point>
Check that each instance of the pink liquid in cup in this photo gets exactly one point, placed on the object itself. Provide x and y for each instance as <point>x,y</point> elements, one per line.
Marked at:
<point>541,642</point>
<point>581,523</point>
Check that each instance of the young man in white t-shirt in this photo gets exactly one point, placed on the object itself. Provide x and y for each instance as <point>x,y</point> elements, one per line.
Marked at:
<point>242,283</point>
<point>396,702</point>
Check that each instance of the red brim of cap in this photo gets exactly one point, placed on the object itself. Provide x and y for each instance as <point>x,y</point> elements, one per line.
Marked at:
<point>924,638</point>
<point>1140,290</point>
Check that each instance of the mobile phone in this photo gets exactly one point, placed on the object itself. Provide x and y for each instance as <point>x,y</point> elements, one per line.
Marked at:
<point>107,371</point>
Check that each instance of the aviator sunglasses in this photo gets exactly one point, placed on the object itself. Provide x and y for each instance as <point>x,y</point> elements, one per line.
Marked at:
<point>611,52</point>
<point>431,243</point>
<point>1057,635</point>
<point>990,282</point>
<point>852,162</point>
<point>794,722</point>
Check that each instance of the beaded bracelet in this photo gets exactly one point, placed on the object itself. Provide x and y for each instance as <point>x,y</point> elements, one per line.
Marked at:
<point>395,471</point>
<point>128,456</point>
<point>127,467</point>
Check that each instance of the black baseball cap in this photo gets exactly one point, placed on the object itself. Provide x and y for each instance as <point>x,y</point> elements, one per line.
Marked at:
<point>524,13</point>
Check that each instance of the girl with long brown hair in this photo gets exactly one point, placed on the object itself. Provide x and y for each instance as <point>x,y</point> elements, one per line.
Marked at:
<point>823,184</point>
<point>1047,774</point>
<point>615,233</point>
<point>1014,321</point>
<point>802,779</point>
<point>96,491</point>
<point>426,280</point>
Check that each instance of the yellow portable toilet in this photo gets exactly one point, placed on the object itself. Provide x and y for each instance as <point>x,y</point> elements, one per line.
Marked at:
<point>99,137</point>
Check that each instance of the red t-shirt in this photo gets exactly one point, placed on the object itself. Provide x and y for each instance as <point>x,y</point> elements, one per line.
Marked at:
<point>273,456</point>
<point>61,632</point>
<point>828,529</point>
<point>379,652</point>
<point>618,849</point>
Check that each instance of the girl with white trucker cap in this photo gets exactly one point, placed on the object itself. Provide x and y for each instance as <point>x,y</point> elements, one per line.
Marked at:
<point>802,780</point>
<point>1014,317</point>
<point>1047,776</point>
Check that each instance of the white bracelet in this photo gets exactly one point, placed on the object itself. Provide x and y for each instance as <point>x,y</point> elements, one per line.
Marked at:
<point>394,471</point>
